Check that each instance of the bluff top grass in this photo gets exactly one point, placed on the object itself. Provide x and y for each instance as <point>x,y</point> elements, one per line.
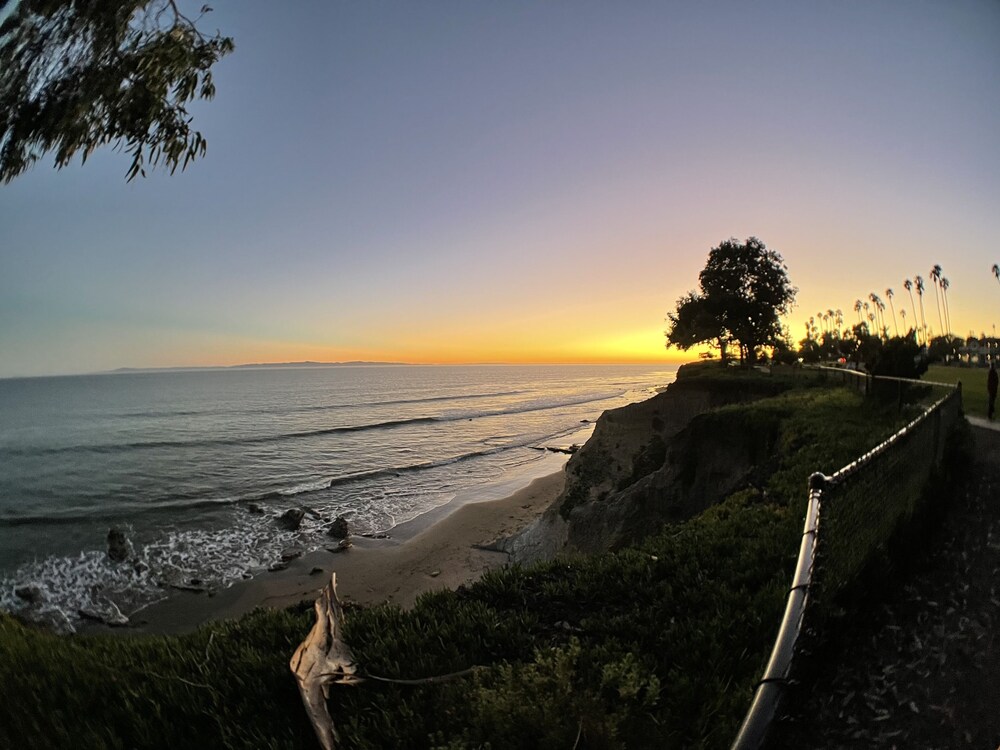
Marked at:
<point>973,380</point>
<point>657,645</point>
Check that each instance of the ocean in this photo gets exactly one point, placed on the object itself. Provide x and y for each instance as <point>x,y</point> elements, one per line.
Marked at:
<point>195,466</point>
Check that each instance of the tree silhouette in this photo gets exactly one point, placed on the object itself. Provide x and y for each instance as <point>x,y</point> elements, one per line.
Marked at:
<point>873,298</point>
<point>908,286</point>
<point>744,291</point>
<point>76,76</point>
<point>936,279</point>
<point>694,322</point>
<point>879,307</point>
<point>918,282</point>
<point>945,284</point>
<point>892,309</point>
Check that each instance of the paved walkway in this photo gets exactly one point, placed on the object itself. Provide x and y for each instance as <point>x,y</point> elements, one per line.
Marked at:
<point>984,423</point>
<point>923,670</point>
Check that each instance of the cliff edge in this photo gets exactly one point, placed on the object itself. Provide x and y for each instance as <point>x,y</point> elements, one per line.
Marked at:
<point>653,462</point>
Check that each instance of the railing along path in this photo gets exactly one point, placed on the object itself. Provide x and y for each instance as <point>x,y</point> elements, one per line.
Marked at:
<point>771,687</point>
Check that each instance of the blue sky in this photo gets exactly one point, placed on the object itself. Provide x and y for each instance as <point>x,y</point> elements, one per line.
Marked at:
<point>450,181</point>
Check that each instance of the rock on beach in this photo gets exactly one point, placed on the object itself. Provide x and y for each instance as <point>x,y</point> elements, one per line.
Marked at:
<point>339,529</point>
<point>119,547</point>
<point>291,519</point>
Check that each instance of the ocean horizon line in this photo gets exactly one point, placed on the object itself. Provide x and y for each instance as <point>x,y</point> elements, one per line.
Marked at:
<point>309,364</point>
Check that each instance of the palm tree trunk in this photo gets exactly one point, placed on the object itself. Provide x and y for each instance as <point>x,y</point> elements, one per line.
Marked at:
<point>923,320</point>
<point>947,313</point>
<point>914,308</point>
<point>937,304</point>
<point>892,308</point>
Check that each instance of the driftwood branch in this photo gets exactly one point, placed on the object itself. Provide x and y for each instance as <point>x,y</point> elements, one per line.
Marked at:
<point>322,659</point>
<point>422,680</point>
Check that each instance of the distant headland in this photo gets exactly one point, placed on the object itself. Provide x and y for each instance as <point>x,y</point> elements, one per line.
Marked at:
<point>258,366</point>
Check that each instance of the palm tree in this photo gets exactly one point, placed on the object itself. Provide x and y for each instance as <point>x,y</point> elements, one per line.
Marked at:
<point>839,320</point>
<point>918,282</point>
<point>902,314</point>
<point>996,271</point>
<point>879,307</point>
<point>944,296</point>
<point>892,307</point>
<point>857,309</point>
<point>936,278</point>
<point>908,286</point>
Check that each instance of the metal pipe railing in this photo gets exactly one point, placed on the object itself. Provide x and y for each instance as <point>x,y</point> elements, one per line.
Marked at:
<point>772,684</point>
<point>770,689</point>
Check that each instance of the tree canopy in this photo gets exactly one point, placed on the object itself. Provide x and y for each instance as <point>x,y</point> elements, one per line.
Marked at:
<point>79,74</point>
<point>744,291</point>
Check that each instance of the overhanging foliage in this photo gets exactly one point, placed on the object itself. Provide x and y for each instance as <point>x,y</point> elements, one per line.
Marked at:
<point>76,75</point>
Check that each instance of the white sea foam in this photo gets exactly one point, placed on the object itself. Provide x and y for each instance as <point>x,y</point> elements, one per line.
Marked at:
<point>188,499</point>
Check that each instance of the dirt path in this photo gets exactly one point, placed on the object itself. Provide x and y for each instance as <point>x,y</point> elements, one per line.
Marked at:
<point>923,670</point>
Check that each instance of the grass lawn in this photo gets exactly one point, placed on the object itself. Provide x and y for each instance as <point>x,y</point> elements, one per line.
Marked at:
<point>973,385</point>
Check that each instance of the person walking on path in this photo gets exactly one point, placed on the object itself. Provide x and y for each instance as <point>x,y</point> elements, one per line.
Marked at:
<point>991,388</point>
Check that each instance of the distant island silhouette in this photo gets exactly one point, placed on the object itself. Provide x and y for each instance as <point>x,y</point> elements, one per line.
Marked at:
<point>259,366</point>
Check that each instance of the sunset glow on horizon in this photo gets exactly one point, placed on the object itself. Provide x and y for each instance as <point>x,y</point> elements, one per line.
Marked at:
<point>645,347</point>
<point>518,183</point>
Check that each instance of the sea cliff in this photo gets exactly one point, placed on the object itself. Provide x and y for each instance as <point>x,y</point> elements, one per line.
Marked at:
<point>653,462</point>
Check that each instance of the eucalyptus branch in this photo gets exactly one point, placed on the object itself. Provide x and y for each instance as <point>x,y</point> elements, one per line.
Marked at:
<point>120,72</point>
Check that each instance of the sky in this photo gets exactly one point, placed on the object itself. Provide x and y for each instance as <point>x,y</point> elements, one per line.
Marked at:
<point>456,181</point>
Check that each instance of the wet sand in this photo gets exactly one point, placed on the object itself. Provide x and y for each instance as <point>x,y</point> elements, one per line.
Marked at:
<point>437,551</point>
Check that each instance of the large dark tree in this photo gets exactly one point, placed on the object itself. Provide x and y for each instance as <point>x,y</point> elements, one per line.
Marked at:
<point>695,322</point>
<point>79,74</point>
<point>744,292</point>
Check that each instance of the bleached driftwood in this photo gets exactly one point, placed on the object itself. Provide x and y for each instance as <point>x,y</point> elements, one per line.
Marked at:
<point>321,660</point>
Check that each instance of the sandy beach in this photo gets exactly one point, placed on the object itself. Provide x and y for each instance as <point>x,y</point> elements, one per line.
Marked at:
<point>436,551</point>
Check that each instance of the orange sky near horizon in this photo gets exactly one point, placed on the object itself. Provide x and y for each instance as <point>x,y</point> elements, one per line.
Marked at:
<point>645,347</point>
<point>519,182</point>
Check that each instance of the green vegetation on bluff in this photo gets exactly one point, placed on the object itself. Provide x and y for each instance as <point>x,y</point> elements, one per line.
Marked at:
<point>973,380</point>
<point>656,645</point>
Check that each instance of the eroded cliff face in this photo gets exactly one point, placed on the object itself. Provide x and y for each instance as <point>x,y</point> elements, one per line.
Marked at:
<point>664,459</point>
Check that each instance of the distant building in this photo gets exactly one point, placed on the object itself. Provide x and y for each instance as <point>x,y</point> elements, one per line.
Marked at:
<point>979,351</point>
